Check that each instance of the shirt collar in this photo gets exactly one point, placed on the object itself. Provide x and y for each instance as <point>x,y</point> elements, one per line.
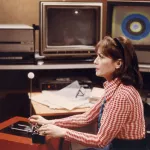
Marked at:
<point>110,87</point>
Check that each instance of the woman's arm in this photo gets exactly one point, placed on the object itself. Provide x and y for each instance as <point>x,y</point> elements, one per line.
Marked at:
<point>112,121</point>
<point>72,121</point>
<point>81,119</point>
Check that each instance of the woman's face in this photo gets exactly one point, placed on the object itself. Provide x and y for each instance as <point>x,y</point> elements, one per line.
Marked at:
<point>105,66</point>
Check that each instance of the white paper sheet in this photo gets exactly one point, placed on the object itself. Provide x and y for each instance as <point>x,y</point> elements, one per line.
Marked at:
<point>96,94</point>
<point>65,98</point>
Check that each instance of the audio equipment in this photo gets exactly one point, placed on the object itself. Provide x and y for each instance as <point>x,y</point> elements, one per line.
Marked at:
<point>59,83</point>
<point>16,43</point>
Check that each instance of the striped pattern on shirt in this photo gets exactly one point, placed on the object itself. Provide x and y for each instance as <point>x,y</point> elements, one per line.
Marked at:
<point>122,118</point>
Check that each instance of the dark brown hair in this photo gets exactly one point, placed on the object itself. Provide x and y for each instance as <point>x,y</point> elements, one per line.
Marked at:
<point>122,48</point>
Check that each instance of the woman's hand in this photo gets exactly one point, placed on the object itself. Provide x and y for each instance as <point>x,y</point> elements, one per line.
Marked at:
<point>52,131</point>
<point>37,119</point>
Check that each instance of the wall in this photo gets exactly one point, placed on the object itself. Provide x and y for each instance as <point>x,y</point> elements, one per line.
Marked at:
<point>19,12</point>
<point>22,11</point>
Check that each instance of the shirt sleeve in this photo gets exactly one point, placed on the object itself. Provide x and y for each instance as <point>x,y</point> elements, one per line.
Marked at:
<point>81,119</point>
<point>113,118</point>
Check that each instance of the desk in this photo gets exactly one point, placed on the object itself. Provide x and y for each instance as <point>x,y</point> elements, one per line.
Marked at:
<point>44,110</point>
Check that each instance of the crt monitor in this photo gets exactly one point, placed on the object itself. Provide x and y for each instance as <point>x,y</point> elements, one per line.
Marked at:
<point>70,29</point>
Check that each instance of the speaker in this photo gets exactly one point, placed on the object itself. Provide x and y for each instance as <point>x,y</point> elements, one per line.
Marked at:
<point>132,22</point>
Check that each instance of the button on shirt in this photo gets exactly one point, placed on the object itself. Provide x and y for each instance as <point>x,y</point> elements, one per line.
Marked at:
<point>122,118</point>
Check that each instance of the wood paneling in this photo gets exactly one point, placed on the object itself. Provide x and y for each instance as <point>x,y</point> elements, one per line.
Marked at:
<point>19,12</point>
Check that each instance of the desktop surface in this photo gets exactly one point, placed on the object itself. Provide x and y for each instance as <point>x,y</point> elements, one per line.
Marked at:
<point>44,110</point>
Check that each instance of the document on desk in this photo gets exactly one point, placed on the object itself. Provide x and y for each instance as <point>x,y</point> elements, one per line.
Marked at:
<point>70,97</point>
<point>96,94</point>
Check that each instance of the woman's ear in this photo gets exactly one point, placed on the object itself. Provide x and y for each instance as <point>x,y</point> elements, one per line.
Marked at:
<point>118,63</point>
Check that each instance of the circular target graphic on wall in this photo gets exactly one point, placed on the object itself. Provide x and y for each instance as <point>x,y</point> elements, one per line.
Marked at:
<point>135,26</point>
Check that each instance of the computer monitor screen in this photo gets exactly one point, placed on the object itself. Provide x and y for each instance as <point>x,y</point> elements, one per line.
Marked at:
<point>71,28</point>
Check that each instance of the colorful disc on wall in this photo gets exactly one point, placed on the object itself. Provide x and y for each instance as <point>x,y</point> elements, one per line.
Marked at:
<point>136,26</point>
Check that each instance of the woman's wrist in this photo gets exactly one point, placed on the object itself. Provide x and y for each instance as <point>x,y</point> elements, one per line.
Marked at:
<point>64,131</point>
<point>50,122</point>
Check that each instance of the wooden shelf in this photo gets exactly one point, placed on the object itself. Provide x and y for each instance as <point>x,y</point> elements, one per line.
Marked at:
<point>143,67</point>
<point>46,66</point>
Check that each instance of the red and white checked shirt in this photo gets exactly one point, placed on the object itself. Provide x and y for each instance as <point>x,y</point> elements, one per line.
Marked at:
<point>122,118</point>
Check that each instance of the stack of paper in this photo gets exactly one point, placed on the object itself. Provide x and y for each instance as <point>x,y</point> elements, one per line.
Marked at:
<point>68,97</point>
<point>96,94</point>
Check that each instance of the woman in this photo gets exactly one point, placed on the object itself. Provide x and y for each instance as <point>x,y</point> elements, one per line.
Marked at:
<point>121,119</point>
